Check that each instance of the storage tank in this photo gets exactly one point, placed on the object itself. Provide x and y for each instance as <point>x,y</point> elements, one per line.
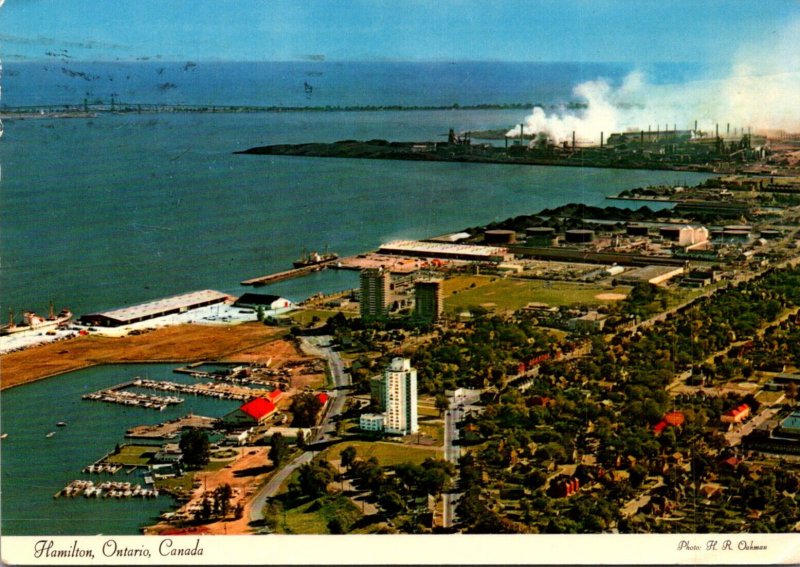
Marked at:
<point>636,230</point>
<point>540,236</point>
<point>672,233</point>
<point>614,270</point>
<point>498,236</point>
<point>579,236</point>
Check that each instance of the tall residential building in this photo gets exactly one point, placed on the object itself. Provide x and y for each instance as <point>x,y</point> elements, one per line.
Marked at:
<point>428,300</point>
<point>401,397</point>
<point>377,393</point>
<point>375,292</point>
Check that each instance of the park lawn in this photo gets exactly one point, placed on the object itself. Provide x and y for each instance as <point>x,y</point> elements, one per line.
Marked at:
<point>388,454</point>
<point>303,317</point>
<point>313,517</point>
<point>512,294</point>
<point>434,430</point>
<point>426,407</point>
<point>131,455</point>
<point>461,283</point>
<point>769,398</point>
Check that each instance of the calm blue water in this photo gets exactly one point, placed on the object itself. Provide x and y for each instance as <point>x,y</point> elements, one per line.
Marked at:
<point>58,81</point>
<point>35,467</point>
<point>105,212</point>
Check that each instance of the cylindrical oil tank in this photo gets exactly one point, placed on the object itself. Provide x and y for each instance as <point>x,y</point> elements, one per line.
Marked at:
<point>579,236</point>
<point>499,236</point>
<point>770,233</point>
<point>636,230</point>
<point>670,232</point>
<point>540,236</point>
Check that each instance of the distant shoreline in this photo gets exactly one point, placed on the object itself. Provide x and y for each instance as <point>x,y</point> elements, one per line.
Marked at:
<point>90,110</point>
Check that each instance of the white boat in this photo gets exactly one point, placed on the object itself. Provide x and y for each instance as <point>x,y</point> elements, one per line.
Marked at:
<point>33,322</point>
<point>50,434</point>
<point>4,435</point>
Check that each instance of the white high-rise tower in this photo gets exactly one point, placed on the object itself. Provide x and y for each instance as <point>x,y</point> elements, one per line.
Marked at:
<point>401,397</point>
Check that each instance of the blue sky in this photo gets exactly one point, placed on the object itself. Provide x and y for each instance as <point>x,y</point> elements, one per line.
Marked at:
<point>639,31</point>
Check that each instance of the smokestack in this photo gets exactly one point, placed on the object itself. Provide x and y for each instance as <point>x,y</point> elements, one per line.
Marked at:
<point>573,139</point>
<point>728,131</point>
<point>601,140</point>
<point>717,129</point>
<point>521,133</point>
<point>641,138</point>
<point>695,125</point>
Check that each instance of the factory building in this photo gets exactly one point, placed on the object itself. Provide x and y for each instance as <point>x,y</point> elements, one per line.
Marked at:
<point>446,251</point>
<point>154,309</point>
<point>651,274</point>
<point>375,293</point>
<point>428,300</point>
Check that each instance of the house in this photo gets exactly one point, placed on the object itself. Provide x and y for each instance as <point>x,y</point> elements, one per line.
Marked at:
<point>270,303</point>
<point>737,414</point>
<point>169,453</point>
<point>255,412</point>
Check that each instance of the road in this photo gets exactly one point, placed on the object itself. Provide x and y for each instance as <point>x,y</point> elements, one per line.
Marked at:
<point>452,452</point>
<point>319,346</point>
<point>734,437</point>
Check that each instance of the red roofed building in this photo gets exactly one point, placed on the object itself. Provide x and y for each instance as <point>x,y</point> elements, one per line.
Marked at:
<point>737,414</point>
<point>254,412</point>
<point>275,395</point>
<point>674,418</point>
<point>660,426</point>
<point>323,397</point>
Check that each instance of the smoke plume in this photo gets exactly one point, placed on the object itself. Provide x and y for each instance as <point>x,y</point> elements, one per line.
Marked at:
<point>759,92</point>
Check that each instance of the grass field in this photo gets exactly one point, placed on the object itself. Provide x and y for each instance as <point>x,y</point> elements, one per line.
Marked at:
<point>303,317</point>
<point>313,517</point>
<point>130,455</point>
<point>512,294</point>
<point>388,454</point>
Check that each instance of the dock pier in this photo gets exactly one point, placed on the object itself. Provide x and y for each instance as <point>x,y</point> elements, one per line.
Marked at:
<point>287,275</point>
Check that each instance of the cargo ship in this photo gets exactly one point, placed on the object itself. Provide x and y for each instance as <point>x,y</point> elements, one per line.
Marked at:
<point>314,258</point>
<point>33,322</point>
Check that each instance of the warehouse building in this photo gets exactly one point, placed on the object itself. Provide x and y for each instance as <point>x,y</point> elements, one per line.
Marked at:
<point>154,309</point>
<point>447,251</point>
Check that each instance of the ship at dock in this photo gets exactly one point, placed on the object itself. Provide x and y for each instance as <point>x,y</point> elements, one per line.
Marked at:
<point>33,322</point>
<point>314,259</point>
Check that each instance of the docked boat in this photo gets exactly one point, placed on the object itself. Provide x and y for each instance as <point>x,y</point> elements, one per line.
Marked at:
<point>314,259</point>
<point>4,435</point>
<point>33,322</point>
<point>61,424</point>
<point>50,434</point>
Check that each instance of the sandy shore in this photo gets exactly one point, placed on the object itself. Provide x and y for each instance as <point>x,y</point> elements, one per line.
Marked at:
<point>251,342</point>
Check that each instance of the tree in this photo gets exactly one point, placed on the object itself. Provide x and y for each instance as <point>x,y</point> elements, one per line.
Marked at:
<point>278,449</point>
<point>441,403</point>
<point>335,526</point>
<point>260,313</point>
<point>222,500</point>
<point>195,448</point>
<point>313,478</point>
<point>305,408</point>
<point>392,503</point>
<point>348,456</point>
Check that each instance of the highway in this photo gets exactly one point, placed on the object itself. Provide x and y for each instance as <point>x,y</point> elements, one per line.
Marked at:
<point>319,346</point>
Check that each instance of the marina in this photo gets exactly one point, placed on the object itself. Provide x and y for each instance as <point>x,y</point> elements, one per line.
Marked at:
<point>108,489</point>
<point>214,390</point>
<point>117,395</point>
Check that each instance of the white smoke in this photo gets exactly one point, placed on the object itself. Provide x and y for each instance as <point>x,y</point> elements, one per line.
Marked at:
<point>760,92</point>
